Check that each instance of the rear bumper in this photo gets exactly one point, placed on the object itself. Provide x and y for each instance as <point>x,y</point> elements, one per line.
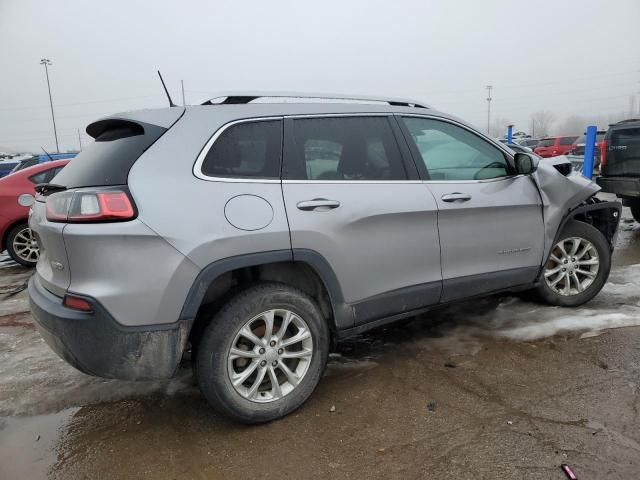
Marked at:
<point>96,344</point>
<point>621,186</point>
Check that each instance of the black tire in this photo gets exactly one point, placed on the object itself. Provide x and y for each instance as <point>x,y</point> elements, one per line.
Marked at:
<point>211,358</point>
<point>11,249</point>
<point>597,239</point>
<point>635,210</point>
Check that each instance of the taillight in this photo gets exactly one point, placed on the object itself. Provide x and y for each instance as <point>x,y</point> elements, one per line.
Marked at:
<point>90,206</point>
<point>603,154</point>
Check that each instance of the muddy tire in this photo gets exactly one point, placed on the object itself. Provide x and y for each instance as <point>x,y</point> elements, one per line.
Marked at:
<point>263,353</point>
<point>635,210</point>
<point>20,245</point>
<point>577,268</point>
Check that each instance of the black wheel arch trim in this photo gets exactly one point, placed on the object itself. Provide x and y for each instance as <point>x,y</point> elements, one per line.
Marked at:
<point>614,219</point>
<point>611,224</point>
<point>343,314</point>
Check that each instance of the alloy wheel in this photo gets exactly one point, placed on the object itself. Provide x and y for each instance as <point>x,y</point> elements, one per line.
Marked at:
<point>270,355</point>
<point>572,266</point>
<point>25,245</point>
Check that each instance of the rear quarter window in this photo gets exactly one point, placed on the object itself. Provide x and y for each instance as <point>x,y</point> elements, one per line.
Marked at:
<point>246,150</point>
<point>567,140</point>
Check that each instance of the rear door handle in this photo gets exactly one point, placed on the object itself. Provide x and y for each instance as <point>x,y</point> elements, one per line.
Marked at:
<point>454,197</point>
<point>320,204</point>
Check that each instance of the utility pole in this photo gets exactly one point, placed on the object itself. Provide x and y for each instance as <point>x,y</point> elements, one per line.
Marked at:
<point>46,62</point>
<point>184,102</point>
<point>489,88</point>
<point>79,139</point>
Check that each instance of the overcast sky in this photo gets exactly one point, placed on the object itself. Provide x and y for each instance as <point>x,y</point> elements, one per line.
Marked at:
<point>568,56</point>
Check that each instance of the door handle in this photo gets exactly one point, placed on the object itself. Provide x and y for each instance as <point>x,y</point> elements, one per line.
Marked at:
<point>321,204</point>
<point>453,197</point>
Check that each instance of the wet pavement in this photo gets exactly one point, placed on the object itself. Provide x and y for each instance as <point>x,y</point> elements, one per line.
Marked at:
<point>495,388</point>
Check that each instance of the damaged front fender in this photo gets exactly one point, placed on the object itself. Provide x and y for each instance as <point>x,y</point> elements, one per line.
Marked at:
<point>561,189</point>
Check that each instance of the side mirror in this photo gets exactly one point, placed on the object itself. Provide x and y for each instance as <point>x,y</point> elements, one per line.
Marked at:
<point>26,200</point>
<point>525,163</point>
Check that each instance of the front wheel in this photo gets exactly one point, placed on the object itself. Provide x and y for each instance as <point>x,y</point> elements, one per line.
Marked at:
<point>263,354</point>
<point>577,268</point>
<point>22,245</point>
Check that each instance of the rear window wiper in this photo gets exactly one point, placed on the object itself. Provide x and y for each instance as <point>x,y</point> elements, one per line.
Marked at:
<point>46,188</point>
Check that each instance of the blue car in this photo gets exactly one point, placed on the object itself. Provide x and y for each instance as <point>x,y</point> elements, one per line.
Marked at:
<point>37,159</point>
<point>7,166</point>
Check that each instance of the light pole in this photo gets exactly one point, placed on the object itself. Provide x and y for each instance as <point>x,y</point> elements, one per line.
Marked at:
<point>488,87</point>
<point>46,62</point>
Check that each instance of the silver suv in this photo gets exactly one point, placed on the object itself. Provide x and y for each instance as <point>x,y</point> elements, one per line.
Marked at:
<point>258,231</point>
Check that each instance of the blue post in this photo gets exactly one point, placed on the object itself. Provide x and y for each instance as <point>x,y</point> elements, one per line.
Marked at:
<point>510,134</point>
<point>589,150</point>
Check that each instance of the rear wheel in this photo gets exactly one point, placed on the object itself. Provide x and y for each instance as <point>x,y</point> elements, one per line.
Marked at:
<point>577,268</point>
<point>22,245</point>
<point>263,354</point>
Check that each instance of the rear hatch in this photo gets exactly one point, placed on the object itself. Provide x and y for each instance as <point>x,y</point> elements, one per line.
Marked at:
<point>622,150</point>
<point>103,166</point>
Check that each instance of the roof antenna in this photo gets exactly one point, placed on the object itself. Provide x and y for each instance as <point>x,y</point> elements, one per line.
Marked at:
<point>47,153</point>
<point>171,104</point>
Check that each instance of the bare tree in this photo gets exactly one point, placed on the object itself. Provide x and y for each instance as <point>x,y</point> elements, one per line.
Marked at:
<point>540,123</point>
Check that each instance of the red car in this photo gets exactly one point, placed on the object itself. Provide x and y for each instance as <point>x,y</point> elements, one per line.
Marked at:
<point>554,146</point>
<point>15,236</point>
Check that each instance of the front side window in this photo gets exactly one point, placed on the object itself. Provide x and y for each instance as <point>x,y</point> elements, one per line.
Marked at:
<point>547,142</point>
<point>450,152</point>
<point>343,148</point>
<point>246,150</point>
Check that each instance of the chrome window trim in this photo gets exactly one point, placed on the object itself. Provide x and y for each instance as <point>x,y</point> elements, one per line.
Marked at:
<point>197,167</point>
<point>336,115</point>
<point>354,182</point>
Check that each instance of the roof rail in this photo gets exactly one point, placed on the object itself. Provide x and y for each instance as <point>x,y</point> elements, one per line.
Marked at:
<point>271,97</point>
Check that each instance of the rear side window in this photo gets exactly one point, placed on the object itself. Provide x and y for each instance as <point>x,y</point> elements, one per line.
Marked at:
<point>46,176</point>
<point>246,150</point>
<point>567,140</point>
<point>109,158</point>
<point>547,142</point>
<point>343,148</point>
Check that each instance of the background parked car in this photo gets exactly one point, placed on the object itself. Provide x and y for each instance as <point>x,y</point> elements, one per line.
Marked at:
<point>15,236</point>
<point>554,146</point>
<point>527,142</point>
<point>7,166</point>
<point>37,159</point>
<point>519,148</point>
<point>620,163</point>
<point>578,146</point>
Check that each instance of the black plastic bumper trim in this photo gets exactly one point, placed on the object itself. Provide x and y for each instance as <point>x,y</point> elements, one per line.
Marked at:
<point>96,344</point>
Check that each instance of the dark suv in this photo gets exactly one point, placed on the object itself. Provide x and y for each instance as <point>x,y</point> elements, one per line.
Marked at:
<point>620,164</point>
